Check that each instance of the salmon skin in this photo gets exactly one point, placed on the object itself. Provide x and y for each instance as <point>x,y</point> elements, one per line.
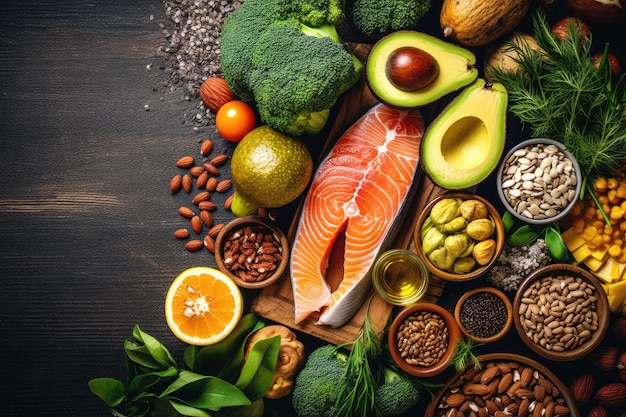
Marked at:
<point>359,189</point>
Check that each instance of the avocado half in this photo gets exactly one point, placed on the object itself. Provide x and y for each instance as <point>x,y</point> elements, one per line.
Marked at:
<point>464,143</point>
<point>456,69</point>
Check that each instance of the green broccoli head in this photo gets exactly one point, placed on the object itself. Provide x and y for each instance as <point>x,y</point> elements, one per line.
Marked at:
<point>376,18</point>
<point>315,12</point>
<point>240,31</point>
<point>397,394</point>
<point>316,387</point>
<point>295,76</point>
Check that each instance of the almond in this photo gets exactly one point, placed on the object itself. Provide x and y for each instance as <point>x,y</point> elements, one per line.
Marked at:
<point>513,388</point>
<point>175,183</point>
<point>202,179</point>
<point>223,186</point>
<point>181,234</point>
<point>488,374</point>
<point>201,196</point>
<point>215,92</point>
<point>582,388</point>
<point>206,218</point>
<point>207,205</point>
<point>478,389</point>
<point>539,392</point>
<point>187,183</point>
<point>229,202</point>
<point>206,147</point>
<point>522,411</point>
<point>185,212</point>
<point>196,224</point>
<point>598,411</point>
<point>538,410</point>
<point>455,399</point>
<point>185,162</point>
<point>194,245</point>
<point>524,393</point>
<point>196,171</point>
<point>526,376</point>
<point>505,382</point>
<point>218,160</point>
<point>561,410</point>
<point>548,410</point>
<point>612,394</point>
<point>211,184</point>
<point>215,230</point>
<point>211,169</point>
<point>604,358</point>
<point>209,242</point>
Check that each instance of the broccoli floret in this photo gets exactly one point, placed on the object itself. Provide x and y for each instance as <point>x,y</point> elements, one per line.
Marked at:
<point>376,18</point>
<point>288,85</point>
<point>317,384</point>
<point>397,394</point>
<point>295,72</point>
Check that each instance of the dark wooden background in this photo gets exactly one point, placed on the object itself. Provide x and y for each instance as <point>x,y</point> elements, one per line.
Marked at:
<point>86,218</point>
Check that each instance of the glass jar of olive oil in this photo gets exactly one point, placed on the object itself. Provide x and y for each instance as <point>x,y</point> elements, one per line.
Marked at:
<point>400,277</point>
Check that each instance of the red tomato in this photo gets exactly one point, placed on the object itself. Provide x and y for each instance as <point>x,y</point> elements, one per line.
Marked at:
<point>234,120</point>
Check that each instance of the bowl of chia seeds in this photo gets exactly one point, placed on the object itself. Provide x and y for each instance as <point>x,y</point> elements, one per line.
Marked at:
<point>538,181</point>
<point>484,314</point>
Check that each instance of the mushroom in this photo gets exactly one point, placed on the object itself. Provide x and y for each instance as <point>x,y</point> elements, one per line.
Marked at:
<point>290,358</point>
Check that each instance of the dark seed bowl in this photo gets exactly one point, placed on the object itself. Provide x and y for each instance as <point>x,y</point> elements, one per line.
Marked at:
<point>484,314</point>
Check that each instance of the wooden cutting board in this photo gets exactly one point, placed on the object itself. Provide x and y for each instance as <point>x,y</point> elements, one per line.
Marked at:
<point>276,301</point>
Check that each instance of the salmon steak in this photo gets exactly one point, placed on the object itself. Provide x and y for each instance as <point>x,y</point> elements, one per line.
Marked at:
<point>357,192</point>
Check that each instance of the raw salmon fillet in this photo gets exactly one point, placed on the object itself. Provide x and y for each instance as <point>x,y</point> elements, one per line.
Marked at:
<point>359,189</point>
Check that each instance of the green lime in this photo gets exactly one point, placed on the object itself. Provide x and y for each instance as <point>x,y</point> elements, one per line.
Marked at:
<point>269,169</point>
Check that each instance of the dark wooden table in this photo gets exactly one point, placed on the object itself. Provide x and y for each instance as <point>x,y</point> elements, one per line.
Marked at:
<point>86,218</point>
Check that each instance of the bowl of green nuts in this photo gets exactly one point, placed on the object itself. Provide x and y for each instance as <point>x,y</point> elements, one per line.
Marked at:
<point>423,339</point>
<point>538,181</point>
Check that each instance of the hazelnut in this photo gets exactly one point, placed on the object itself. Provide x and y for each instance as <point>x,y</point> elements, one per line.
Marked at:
<point>215,92</point>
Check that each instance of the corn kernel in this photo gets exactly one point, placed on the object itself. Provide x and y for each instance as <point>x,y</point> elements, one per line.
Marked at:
<point>615,251</point>
<point>600,184</point>
<point>589,233</point>
<point>612,183</point>
<point>590,213</point>
<point>596,241</point>
<point>621,191</point>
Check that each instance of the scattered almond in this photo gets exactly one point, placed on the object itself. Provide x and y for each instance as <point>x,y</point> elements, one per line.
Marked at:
<point>181,234</point>
<point>215,92</point>
<point>201,196</point>
<point>175,183</point>
<point>206,147</point>
<point>185,162</point>
<point>207,205</point>
<point>223,186</point>
<point>194,245</point>
<point>215,230</point>
<point>196,171</point>
<point>187,183</point>
<point>218,160</point>
<point>202,179</point>
<point>196,224</point>
<point>229,202</point>
<point>209,242</point>
<point>211,183</point>
<point>186,212</point>
<point>211,169</point>
<point>206,218</point>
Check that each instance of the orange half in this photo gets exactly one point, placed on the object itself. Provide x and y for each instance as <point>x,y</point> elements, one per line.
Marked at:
<point>203,306</point>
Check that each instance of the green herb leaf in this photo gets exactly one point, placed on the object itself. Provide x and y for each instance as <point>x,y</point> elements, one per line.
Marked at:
<point>152,381</point>
<point>202,391</point>
<point>139,356</point>
<point>110,390</point>
<point>185,410</point>
<point>525,235</point>
<point>556,246</point>
<point>508,221</point>
<point>224,358</point>
<point>156,349</point>
<point>258,370</point>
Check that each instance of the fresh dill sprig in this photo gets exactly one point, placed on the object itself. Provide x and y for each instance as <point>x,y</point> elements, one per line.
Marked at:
<point>559,94</point>
<point>465,354</point>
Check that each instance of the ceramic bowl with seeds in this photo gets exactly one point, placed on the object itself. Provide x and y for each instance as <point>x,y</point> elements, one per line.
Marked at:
<point>505,384</point>
<point>538,181</point>
<point>484,314</point>
<point>561,312</point>
<point>253,251</point>
<point>423,338</point>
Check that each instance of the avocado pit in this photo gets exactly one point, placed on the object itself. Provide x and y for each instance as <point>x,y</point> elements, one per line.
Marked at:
<point>411,69</point>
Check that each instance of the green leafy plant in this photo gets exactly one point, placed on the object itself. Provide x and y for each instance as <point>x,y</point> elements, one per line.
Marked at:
<point>466,354</point>
<point>215,381</point>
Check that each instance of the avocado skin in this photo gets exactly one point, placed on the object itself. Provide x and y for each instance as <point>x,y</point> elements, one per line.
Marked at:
<point>456,64</point>
<point>464,143</point>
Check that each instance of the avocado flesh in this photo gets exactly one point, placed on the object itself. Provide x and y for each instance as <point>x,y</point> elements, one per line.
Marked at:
<point>456,69</point>
<point>464,143</point>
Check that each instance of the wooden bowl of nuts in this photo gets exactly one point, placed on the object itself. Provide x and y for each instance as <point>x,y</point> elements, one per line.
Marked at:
<point>253,251</point>
<point>459,236</point>
<point>538,181</point>
<point>505,384</point>
<point>561,312</point>
<point>484,314</point>
<point>423,338</point>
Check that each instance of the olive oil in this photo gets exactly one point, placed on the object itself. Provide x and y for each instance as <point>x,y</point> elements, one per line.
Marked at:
<point>400,277</point>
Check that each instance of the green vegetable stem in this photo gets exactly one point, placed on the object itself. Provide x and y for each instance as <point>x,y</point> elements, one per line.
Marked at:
<point>157,387</point>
